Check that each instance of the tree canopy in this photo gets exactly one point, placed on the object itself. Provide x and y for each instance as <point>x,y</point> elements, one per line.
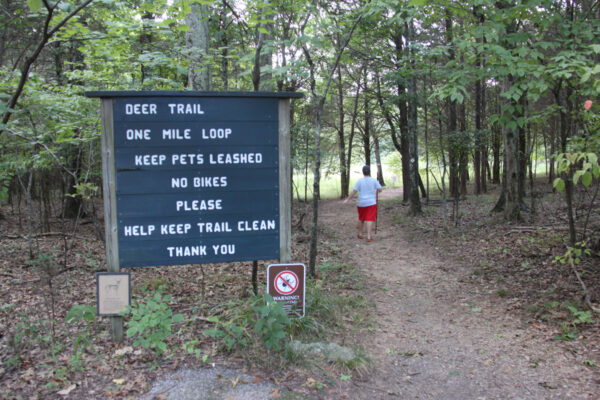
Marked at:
<point>477,87</point>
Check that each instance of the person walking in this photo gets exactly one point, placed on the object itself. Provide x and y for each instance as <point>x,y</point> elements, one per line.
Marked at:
<point>367,189</point>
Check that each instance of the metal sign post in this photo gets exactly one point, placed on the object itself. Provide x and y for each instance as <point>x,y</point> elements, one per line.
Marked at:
<point>286,284</point>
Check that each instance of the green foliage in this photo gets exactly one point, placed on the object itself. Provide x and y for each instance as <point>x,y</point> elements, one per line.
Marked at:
<point>86,316</point>
<point>155,284</point>
<point>81,313</point>
<point>4,184</point>
<point>568,330</point>
<point>271,322</point>
<point>35,5</point>
<point>258,319</point>
<point>43,262</point>
<point>233,335</point>
<point>85,190</point>
<point>580,316</point>
<point>585,166</point>
<point>151,322</point>
<point>570,316</point>
<point>190,347</point>
<point>32,331</point>
<point>574,254</point>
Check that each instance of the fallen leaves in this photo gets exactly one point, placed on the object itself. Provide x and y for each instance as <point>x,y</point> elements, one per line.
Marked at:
<point>65,392</point>
<point>123,351</point>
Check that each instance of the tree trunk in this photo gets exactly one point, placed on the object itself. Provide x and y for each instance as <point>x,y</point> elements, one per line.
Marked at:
<point>453,156</point>
<point>198,42</point>
<point>485,170</point>
<point>344,176</point>
<point>415,202</point>
<point>366,138</point>
<point>224,46</point>
<point>565,112</point>
<point>262,73</point>
<point>552,139</point>
<point>306,146</point>
<point>463,165</point>
<point>477,154</point>
<point>72,203</point>
<point>496,145</point>
<point>351,137</point>
<point>477,162</point>
<point>512,207</point>
<point>378,160</point>
<point>404,143</point>
<point>312,256</point>
<point>522,153</point>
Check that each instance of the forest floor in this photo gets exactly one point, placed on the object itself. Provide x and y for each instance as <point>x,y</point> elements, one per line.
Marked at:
<point>448,330</point>
<point>469,310</point>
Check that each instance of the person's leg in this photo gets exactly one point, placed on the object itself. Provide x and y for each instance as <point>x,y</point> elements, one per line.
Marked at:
<point>360,228</point>
<point>361,219</point>
<point>369,229</point>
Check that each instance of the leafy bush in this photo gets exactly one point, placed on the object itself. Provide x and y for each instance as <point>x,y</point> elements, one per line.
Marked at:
<point>81,313</point>
<point>151,322</point>
<point>266,317</point>
<point>271,323</point>
<point>232,334</point>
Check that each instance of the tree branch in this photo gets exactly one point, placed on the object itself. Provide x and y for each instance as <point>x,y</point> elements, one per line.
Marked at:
<point>47,34</point>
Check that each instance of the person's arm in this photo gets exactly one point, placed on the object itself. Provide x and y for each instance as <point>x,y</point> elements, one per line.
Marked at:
<point>351,196</point>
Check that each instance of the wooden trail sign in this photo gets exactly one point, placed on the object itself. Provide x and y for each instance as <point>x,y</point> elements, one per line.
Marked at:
<point>195,177</point>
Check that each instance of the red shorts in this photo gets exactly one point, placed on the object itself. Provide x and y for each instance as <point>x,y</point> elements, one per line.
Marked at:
<point>368,213</point>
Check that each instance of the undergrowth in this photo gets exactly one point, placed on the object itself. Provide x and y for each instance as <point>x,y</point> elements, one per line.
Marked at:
<point>514,261</point>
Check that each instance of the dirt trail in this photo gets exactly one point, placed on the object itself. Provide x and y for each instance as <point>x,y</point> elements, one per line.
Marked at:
<point>437,336</point>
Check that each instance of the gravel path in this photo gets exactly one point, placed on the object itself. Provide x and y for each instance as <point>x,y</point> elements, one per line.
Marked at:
<point>210,384</point>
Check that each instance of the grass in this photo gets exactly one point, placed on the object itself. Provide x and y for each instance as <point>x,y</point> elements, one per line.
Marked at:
<point>334,313</point>
<point>330,183</point>
<point>392,175</point>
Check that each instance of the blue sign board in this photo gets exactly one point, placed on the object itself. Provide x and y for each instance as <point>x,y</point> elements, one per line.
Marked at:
<point>197,179</point>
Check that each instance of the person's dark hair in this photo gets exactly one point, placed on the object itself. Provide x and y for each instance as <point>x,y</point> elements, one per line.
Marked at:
<point>366,170</point>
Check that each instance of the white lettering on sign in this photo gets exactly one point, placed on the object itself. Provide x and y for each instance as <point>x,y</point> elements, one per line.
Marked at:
<point>175,229</point>
<point>149,159</point>
<point>199,205</point>
<point>256,225</point>
<point>236,158</point>
<point>282,298</point>
<point>224,249</point>
<point>179,182</point>
<point>187,159</point>
<point>216,133</point>
<point>138,230</point>
<point>213,227</point>
<point>186,109</point>
<point>186,251</point>
<point>140,109</point>
<point>137,134</point>
<point>210,181</point>
<point>175,134</point>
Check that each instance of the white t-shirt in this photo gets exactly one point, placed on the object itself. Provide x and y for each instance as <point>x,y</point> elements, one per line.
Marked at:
<point>367,189</point>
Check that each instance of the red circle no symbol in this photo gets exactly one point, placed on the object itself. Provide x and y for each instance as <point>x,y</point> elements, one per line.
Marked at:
<point>286,282</point>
